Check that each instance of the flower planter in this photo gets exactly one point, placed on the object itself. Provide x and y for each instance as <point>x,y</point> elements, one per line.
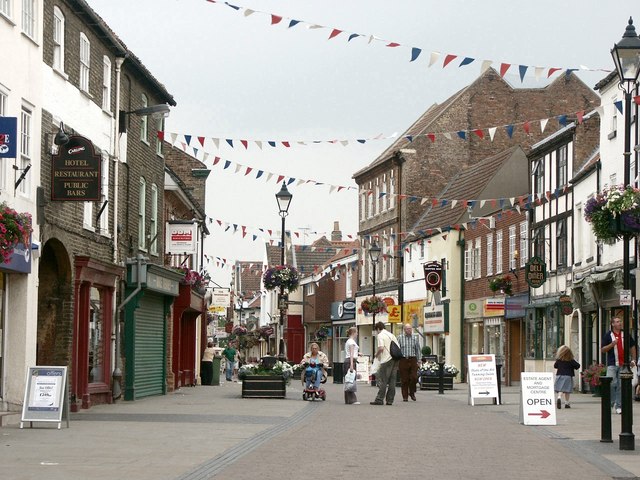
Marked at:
<point>432,382</point>
<point>264,386</point>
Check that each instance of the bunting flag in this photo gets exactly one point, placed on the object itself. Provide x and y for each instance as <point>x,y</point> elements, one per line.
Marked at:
<point>415,52</point>
<point>463,134</point>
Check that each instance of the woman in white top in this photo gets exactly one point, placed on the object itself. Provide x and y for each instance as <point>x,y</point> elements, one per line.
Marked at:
<point>350,363</point>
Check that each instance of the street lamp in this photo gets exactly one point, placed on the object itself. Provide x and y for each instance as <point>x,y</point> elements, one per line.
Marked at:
<point>283,197</point>
<point>161,110</point>
<point>374,255</point>
<point>626,56</point>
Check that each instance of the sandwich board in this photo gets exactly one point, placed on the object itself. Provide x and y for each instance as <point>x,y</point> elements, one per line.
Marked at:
<point>483,379</point>
<point>45,396</point>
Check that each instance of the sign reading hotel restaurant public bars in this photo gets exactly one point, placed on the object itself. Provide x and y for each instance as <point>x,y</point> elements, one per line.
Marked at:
<point>535,272</point>
<point>75,172</point>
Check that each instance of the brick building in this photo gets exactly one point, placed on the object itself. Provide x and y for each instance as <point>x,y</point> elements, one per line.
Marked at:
<point>393,187</point>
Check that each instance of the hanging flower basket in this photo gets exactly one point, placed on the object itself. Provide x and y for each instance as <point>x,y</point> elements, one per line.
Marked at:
<point>502,284</point>
<point>14,228</point>
<point>198,281</point>
<point>373,305</point>
<point>613,213</point>
<point>322,333</point>
<point>239,330</point>
<point>266,332</point>
<point>284,276</point>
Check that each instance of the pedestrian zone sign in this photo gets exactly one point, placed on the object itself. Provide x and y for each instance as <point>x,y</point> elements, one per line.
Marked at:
<point>537,399</point>
<point>483,379</point>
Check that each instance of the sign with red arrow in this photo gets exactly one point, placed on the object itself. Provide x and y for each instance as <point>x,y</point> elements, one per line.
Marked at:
<point>537,405</point>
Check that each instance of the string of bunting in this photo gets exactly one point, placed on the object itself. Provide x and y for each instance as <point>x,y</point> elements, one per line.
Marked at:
<point>435,57</point>
<point>185,140</point>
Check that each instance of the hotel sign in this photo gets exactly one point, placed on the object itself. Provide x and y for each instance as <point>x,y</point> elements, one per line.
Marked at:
<point>75,172</point>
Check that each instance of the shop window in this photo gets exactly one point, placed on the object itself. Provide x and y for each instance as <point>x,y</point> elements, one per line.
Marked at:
<point>534,322</point>
<point>96,338</point>
<point>554,332</point>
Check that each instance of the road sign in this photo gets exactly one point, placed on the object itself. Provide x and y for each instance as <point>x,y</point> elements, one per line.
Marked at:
<point>483,379</point>
<point>537,405</point>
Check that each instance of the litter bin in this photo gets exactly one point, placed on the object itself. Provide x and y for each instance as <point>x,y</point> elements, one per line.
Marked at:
<point>338,372</point>
<point>215,378</point>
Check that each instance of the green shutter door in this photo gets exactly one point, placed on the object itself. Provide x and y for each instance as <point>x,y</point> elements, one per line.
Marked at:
<point>149,362</point>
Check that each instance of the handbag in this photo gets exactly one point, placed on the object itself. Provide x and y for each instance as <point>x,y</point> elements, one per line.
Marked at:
<point>350,381</point>
<point>394,350</point>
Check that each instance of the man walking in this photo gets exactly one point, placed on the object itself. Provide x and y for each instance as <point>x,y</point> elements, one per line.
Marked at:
<point>229,354</point>
<point>408,366</point>
<point>613,346</point>
<point>386,374</point>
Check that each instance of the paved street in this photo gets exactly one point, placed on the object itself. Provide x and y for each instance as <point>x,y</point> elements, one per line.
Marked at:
<point>207,432</point>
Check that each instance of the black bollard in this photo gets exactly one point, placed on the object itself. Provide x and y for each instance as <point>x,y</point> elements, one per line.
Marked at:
<point>605,410</point>
<point>440,378</point>
<point>498,401</point>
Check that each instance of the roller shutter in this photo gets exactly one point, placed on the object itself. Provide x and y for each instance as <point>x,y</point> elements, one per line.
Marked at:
<point>149,364</point>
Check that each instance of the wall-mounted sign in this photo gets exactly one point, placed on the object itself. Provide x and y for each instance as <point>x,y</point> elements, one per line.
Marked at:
<point>566,307</point>
<point>432,275</point>
<point>181,237</point>
<point>76,172</point>
<point>535,272</point>
<point>344,310</point>
<point>494,307</point>
<point>221,297</point>
<point>434,319</point>
<point>8,137</point>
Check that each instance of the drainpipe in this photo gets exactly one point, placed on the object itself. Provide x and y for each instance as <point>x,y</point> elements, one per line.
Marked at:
<point>461,243</point>
<point>117,372</point>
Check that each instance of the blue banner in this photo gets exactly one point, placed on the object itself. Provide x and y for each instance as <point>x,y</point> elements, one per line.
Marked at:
<point>8,137</point>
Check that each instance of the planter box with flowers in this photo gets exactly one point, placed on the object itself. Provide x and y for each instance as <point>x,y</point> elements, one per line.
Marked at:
<point>502,283</point>
<point>15,228</point>
<point>261,382</point>
<point>283,276</point>
<point>591,376</point>
<point>613,213</point>
<point>429,379</point>
<point>373,305</point>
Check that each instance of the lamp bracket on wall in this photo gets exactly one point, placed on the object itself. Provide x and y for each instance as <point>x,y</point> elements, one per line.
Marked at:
<point>22,175</point>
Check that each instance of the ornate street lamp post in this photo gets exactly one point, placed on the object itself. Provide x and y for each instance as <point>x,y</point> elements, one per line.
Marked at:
<point>626,56</point>
<point>283,197</point>
<point>374,254</point>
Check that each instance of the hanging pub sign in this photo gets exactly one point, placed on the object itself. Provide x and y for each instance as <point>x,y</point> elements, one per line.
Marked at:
<point>75,172</point>
<point>432,275</point>
<point>566,307</point>
<point>535,272</point>
<point>8,137</point>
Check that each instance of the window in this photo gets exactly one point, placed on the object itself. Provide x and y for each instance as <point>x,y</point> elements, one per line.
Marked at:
<point>422,249</point>
<point>614,119</point>
<point>144,121</point>
<point>142,214</point>
<point>392,190</point>
<point>512,247</point>
<point>25,149</point>
<point>87,216</point>
<point>561,156</point>
<point>106,84</point>
<point>477,251</point>
<point>98,337</point>
<point>4,100</point>
<point>538,176</point>
<point>310,289</point>
<point>104,195</point>
<point>468,265</point>
<point>153,221</point>
<point>369,202</point>
<point>538,243</point>
<point>524,243</point>
<point>85,62</point>
<point>499,251</point>
<point>29,18</point>
<point>377,201</point>
<point>58,39</point>
<point>349,281</point>
<point>158,139</point>
<point>561,243</point>
<point>363,204</point>
<point>5,8</point>
<point>392,250</point>
<point>490,254</point>
<point>533,333</point>
<point>543,332</point>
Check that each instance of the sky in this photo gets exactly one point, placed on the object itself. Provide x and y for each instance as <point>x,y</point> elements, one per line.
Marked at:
<point>237,76</point>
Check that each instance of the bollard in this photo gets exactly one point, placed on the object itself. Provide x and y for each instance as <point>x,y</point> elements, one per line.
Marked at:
<point>605,410</point>
<point>440,378</point>
<point>498,401</point>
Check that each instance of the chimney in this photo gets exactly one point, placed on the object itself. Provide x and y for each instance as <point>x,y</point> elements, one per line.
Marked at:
<point>336,235</point>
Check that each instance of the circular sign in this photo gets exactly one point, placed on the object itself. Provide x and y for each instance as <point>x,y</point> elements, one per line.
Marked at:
<point>433,280</point>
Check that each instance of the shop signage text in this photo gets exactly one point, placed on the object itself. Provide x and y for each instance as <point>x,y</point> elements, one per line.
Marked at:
<point>76,172</point>
<point>535,272</point>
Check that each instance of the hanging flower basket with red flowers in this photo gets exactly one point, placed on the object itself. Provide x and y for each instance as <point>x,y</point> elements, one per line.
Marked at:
<point>373,305</point>
<point>284,276</point>
<point>14,228</point>
<point>502,283</point>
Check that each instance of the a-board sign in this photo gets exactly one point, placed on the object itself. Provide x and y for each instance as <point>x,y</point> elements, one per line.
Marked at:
<point>537,396</point>
<point>45,395</point>
<point>483,378</point>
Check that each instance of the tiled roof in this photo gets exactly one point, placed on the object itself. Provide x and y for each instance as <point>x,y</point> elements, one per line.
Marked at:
<point>250,277</point>
<point>467,184</point>
<point>589,164</point>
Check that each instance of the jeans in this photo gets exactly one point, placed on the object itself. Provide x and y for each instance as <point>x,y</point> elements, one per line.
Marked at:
<point>614,373</point>
<point>309,377</point>
<point>229,370</point>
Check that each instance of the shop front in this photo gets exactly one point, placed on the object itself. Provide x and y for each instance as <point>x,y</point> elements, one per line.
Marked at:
<point>154,289</point>
<point>543,333</point>
<point>188,307</point>
<point>365,321</point>
<point>514,314</point>
<point>343,317</point>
